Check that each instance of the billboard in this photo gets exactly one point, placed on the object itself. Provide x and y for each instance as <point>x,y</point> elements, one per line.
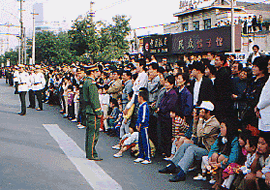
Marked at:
<point>212,40</point>
<point>157,44</point>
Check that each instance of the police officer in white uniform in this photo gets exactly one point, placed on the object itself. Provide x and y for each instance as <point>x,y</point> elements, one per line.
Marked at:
<point>39,84</point>
<point>16,79</point>
<point>31,93</point>
<point>23,85</point>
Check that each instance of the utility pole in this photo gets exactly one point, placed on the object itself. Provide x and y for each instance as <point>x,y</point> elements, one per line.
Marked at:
<point>232,27</point>
<point>24,42</point>
<point>22,31</point>
<point>34,39</point>
<point>92,14</point>
<point>8,39</point>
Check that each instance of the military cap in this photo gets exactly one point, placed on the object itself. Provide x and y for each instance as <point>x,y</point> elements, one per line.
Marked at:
<point>21,65</point>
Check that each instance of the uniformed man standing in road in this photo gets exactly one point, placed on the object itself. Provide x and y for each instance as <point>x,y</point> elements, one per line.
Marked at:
<point>23,84</point>
<point>39,84</point>
<point>31,93</point>
<point>81,77</point>
<point>15,79</point>
<point>93,112</point>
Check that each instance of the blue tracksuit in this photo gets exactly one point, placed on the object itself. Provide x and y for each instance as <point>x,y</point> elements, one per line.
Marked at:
<point>143,119</point>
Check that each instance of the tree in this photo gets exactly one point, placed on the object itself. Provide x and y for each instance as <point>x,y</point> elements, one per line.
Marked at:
<point>100,41</point>
<point>84,38</point>
<point>12,55</point>
<point>53,48</point>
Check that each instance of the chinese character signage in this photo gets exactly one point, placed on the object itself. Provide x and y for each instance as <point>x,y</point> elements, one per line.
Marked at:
<point>211,40</point>
<point>215,40</point>
<point>157,44</point>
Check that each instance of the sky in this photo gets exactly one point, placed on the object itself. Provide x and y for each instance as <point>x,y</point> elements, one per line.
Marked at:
<point>141,12</point>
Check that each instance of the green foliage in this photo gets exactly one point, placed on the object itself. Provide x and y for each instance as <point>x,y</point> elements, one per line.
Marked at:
<point>52,48</point>
<point>86,41</point>
<point>12,55</point>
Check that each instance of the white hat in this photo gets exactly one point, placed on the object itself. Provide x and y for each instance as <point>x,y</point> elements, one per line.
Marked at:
<point>207,105</point>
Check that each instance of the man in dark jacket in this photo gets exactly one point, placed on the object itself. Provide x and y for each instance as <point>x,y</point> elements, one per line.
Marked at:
<point>201,87</point>
<point>223,88</point>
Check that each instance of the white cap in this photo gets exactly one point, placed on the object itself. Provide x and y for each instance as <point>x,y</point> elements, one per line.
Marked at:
<point>207,105</point>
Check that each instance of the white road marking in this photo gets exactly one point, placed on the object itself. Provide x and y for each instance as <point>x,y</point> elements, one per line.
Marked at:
<point>92,172</point>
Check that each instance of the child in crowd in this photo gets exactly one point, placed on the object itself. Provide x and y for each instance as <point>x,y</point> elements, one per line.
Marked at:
<point>142,126</point>
<point>128,141</point>
<point>259,177</point>
<point>250,147</point>
<point>179,128</point>
<point>76,102</point>
<point>124,129</point>
<point>229,173</point>
<point>225,150</point>
<point>70,102</point>
<point>105,103</point>
<point>112,117</point>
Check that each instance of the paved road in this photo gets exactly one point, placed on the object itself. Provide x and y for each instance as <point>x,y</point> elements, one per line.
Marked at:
<point>44,151</point>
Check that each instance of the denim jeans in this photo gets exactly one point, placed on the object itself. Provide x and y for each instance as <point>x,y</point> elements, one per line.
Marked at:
<point>187,154</point>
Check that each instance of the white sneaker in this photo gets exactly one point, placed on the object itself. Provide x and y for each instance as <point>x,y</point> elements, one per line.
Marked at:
<point>167,159</point>
<point>81,127</point>
<point>212,181</point>
<point>74,120</point>
<point>146,162</point>
<point>192,169</point>
<point>117,155</point>
<point>199,177</point>
<point>138,160</point>
<point>117,147</point>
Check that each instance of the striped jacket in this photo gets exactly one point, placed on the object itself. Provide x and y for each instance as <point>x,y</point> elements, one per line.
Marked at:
<point>143,115</point>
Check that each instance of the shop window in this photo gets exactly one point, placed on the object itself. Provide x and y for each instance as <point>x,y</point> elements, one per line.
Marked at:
<point>196,25</point>
<point>207,24</point>
<point>185,26</point>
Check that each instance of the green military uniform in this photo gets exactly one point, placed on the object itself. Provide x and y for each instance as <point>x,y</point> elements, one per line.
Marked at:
<point>93,114</point>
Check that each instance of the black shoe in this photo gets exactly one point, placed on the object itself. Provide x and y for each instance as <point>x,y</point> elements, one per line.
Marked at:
<point>95,159</point>
<point>21,114</point>
<point>177,178</point>
<point>29,107</point>
<point>169,169</point>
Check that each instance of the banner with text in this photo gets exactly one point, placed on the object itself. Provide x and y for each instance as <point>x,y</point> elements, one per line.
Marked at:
<point>212,40</point>
<point>157,44</point>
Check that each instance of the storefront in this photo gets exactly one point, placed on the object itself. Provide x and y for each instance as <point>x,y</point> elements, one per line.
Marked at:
<point>172,46</point>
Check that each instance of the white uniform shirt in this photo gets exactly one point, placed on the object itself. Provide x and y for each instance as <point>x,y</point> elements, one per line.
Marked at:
<point>23,82</point>
<point>16,76</point>
<point>39,82</point>
<point>32,80</point>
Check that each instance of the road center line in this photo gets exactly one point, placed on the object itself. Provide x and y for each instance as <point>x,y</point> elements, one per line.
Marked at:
<point>92,172</point>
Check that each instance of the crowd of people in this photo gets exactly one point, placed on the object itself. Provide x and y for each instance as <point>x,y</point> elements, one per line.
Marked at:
<point>209,110</point>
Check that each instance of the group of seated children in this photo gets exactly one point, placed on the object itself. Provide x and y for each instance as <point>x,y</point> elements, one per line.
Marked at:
<point>117,123</point>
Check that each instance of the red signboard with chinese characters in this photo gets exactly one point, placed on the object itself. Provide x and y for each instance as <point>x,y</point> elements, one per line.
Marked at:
<point>211,40</point>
